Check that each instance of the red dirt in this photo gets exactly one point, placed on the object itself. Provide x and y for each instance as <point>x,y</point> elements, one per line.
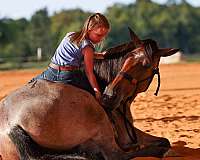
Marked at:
<point>174,113</point>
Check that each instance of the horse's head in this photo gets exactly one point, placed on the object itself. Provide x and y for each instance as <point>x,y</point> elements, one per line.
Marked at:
<point>137,71</point>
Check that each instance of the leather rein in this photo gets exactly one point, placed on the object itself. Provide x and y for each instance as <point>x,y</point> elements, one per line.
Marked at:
<point>130,78</point>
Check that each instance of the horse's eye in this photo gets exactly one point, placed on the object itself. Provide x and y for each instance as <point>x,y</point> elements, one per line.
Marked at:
<point>146,63</point>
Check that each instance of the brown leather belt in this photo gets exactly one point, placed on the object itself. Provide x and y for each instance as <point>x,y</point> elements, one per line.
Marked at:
<point>63,68</point>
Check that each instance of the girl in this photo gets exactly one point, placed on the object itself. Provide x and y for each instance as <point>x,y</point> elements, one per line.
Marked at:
<point>75,48</point>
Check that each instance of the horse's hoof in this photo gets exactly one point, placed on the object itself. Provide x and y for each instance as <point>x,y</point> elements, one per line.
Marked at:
<point>163,142</point>
<point>171,153</point>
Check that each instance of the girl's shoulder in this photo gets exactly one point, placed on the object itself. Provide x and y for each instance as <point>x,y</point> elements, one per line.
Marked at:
<point>69,34</point>
<point>86,42</point>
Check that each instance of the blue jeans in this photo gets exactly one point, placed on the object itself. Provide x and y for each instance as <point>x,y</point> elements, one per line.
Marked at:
<point>76,78</point>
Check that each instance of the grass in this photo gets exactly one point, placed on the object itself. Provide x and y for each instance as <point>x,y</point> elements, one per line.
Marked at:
<point>192,58</point>
<point>25,65</point>
<point>10,65</point>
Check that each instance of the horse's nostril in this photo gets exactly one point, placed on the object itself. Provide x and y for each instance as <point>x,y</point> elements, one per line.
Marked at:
<point>107,99</point>
<point>104,97</point>
<point>114,94</point>
<point>107,102</point>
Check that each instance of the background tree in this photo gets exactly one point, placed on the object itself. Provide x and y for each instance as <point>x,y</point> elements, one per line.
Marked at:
<point>13,41</point>
<point>66,21</point>
<point>175,23</point>
<point>39,32</point>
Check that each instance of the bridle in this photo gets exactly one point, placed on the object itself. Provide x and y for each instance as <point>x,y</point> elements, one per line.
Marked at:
<point>148,53</point>
<point>132,134</point>
<point>130,78</point>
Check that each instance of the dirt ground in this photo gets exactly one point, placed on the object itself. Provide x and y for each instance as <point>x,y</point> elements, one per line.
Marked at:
<point>174,113</point>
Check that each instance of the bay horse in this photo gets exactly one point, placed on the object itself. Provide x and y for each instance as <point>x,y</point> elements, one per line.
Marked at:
<point>42,120</point>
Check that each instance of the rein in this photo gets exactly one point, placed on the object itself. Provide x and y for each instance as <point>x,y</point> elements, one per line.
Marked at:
<point>127,123</point>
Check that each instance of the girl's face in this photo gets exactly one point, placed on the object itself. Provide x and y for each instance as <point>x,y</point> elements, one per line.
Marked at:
<point>97,34</point>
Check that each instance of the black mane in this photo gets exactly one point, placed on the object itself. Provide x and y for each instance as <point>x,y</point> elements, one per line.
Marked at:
<point>107,69</point>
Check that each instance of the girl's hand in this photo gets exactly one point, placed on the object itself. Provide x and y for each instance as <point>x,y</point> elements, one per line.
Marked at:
<point>99,55</point>
<point>103,53</point>
<point>98,96</point>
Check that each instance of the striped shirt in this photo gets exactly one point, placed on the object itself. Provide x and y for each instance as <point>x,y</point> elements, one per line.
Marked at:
<point>69,53</point>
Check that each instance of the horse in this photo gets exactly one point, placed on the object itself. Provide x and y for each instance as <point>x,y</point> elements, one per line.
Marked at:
<point>135,76</point>
<point>43,117</point>
<point>137,72</point>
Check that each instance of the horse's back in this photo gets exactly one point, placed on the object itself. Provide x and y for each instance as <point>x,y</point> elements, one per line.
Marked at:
<point>53,112</point>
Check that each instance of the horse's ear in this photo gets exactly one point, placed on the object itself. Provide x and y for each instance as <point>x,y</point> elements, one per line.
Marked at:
<point>164,52</point>
<point>137,42</point>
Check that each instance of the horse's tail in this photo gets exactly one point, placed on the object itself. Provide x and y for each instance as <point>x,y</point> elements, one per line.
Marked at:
<point>28,149</point>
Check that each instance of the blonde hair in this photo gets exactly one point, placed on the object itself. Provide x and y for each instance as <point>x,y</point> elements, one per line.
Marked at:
<point>94,20</point>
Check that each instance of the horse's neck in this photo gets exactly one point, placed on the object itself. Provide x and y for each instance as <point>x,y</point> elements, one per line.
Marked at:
<point>128,108</point>
<point>106,70</point>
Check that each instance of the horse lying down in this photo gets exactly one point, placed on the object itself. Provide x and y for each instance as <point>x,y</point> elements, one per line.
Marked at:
<point>45,120</point>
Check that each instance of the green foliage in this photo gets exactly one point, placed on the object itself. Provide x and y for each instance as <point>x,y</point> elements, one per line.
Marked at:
<point>26,65</point>
<point>172,25</point>
<point>13,41</point>
<point>39,32</point>
<point>66,21</point>
<point>194,58</point>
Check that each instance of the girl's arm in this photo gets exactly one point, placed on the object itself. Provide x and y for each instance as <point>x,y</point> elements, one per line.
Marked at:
<point>89,66</point>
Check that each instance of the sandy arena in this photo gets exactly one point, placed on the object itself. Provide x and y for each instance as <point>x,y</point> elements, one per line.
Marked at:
<point>174,113</point>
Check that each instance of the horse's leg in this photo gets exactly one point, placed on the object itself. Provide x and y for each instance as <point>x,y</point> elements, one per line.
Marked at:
<point>28,149</point>
<point>7,149</point>
<point>105,140</point>
<point>147,139</point>
<point>126,139</point>
<point>144,139</point>
<point>151,145</point>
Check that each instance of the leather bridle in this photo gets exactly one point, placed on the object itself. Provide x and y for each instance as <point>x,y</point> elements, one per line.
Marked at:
<point>130,78</point>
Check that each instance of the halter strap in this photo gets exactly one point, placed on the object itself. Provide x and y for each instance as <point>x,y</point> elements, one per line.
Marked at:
<point>126,76</point>
<point>154,72</point>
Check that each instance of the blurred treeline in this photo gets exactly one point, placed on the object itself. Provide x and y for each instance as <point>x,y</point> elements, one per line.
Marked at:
<point>171,25</point>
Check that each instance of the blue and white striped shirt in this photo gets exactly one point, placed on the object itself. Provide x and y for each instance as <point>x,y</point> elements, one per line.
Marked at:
<point>69,53</point>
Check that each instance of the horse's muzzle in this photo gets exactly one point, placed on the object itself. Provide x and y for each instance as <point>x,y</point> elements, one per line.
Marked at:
<point>108,98</point>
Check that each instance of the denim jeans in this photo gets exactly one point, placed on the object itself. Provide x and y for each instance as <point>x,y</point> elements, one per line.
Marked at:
<point>76,78</point>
